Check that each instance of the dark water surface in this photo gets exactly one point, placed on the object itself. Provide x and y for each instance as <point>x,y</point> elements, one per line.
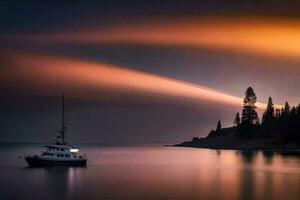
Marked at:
<point>153,173</point>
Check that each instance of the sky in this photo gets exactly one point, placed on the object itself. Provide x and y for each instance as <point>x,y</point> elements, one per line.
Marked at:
<point>141,71</point>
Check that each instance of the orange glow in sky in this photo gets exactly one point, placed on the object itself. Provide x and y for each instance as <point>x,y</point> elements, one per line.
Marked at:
<point>49,73</point>
<point>258,35</point>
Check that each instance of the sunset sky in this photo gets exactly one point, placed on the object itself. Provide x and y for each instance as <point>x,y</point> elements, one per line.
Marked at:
<point>142,71</point>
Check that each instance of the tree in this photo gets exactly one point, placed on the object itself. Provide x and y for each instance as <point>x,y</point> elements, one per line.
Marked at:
<point>278,113</point>
<point>219,126</point>
<point>286,110</point>
<point>249,114</point>
<point>237,120</point>
<point>293,112</point>
<point>269,113</point>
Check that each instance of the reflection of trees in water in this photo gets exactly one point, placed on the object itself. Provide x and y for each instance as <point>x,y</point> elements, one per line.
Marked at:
<point>268,189</point>
<point>268,156</point>
<point>248,156</point>
<point>253,186</point>
<point>254,183</point>
<point>246,185</point>
<point>248,179</point>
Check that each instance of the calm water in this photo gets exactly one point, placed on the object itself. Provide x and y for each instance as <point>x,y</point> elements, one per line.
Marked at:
<point>153,173</point>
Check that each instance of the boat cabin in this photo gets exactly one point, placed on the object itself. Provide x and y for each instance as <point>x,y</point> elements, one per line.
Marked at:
<point>61,152</point>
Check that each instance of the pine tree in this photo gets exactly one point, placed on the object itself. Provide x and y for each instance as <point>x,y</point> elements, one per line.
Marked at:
<point>269,113</point>
<point>298,111</point>
<point>278,113</point>
<point>249,114</point>
<point>237,120</point>
<point>293,112</point>
<point>219,126</point>
<point>286,110</point>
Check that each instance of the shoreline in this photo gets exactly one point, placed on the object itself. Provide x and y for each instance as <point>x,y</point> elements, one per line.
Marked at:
<point>226,139</point>
<point>239,149</point>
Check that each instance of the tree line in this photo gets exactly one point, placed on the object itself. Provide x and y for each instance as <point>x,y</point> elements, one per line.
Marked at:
<point>281,123</point>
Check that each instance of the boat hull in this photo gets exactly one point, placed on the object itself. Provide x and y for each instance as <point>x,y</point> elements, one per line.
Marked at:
<point>37,162</point>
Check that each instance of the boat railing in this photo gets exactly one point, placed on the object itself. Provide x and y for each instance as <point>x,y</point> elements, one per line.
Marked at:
<point>83,156</point>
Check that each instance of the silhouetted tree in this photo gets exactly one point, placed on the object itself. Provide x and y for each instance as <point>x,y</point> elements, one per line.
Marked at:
<point>249,114</point>
<point>237,120</point>
<point>297,122</point>
<point>219,126</point>
<point>216,132</point>
<point>278,113</point>
<point>281,126</point>
<point>293,112</point>
<point>298,110</point>
<point>286,110</point>
<point>268,115</point>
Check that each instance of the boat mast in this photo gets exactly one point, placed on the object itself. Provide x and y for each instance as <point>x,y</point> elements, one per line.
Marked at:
<point>63,128</point>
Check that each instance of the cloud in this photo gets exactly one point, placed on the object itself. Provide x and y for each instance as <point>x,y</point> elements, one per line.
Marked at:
<point>267,36</point>
<point>87,80</point>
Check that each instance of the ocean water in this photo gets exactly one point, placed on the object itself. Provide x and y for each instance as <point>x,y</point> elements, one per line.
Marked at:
<point>153,173</point>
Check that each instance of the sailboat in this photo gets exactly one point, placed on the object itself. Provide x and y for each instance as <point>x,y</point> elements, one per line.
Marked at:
<point>60,153</point>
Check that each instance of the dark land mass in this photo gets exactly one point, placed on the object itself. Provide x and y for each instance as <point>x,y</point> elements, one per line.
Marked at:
<point>227,138</point>
<point>279,129</point>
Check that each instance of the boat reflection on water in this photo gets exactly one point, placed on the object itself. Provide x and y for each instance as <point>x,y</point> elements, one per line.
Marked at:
<point>156,173</point>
